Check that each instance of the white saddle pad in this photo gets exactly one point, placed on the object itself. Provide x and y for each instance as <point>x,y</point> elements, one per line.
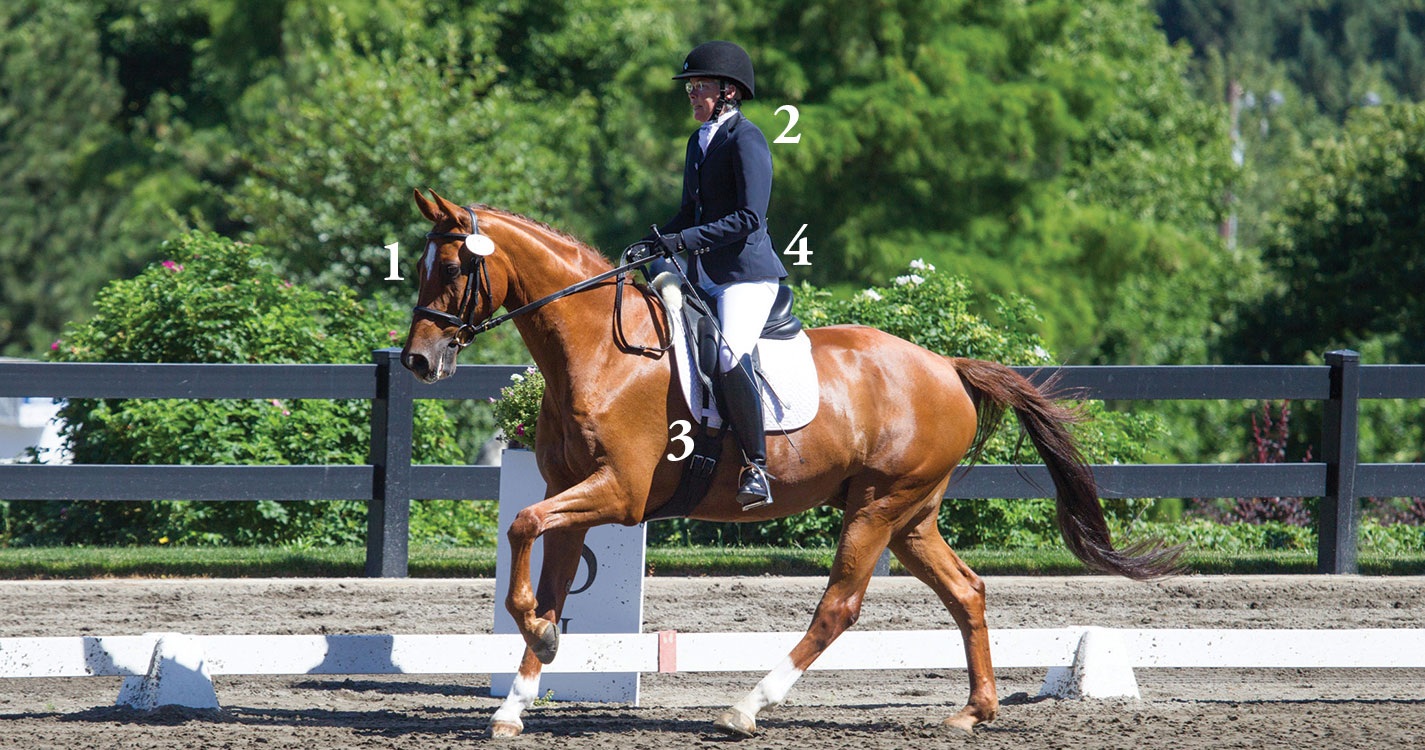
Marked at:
<point>790,397</point>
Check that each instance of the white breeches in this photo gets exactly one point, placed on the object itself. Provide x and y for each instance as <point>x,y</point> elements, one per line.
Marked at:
<point>742,308</point>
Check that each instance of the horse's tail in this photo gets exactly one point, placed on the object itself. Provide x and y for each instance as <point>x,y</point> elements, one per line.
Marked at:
<point>993,388</point>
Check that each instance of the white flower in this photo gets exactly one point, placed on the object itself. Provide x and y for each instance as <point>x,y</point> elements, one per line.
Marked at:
<point>517,377</point>
<point>919,264</point>
<point>1040,352</point>
<point>911,279</point>
<point>871,294</point>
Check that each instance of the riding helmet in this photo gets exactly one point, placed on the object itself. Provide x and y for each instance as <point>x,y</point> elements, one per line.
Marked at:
<point>720,60</point>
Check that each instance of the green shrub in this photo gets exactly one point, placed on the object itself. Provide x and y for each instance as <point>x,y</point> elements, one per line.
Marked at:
<point>216,300</point>
<point>517,409</point>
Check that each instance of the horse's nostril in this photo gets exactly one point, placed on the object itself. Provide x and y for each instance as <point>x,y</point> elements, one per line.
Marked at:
<point>416,364</point>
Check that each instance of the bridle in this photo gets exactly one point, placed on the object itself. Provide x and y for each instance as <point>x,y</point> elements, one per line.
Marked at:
<point>475,295</point>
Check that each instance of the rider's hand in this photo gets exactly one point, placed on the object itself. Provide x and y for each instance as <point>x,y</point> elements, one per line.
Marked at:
<point>638,251</point>
<point>669,244</point>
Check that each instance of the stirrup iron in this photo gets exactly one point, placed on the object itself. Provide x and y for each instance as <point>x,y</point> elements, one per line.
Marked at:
<point>754,500</point>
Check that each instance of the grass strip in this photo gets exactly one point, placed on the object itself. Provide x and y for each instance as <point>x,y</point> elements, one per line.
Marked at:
<point>22,563</point>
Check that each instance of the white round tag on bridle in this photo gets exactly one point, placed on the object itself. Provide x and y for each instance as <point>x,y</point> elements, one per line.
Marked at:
<point>479,244</point>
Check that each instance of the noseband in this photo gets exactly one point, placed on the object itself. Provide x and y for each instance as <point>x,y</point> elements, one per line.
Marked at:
<point>475,294</point>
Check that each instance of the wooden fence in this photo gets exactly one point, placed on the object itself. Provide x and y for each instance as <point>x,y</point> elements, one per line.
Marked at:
<point>390,481</point>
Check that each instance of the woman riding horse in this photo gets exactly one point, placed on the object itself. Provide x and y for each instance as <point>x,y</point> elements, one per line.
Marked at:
<point>727,182</point>
<point>603,444</point>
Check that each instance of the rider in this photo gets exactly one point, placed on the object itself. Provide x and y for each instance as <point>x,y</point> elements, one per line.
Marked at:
<point>727,182</point>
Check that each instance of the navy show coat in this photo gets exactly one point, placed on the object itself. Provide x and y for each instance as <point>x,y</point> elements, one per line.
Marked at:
<point>725,196</point>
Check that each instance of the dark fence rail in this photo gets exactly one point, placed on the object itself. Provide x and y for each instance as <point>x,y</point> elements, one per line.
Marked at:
<point>390,481</point>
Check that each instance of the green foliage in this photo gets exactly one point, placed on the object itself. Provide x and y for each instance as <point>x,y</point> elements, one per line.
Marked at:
<point>1335,51</point>
<point>220,301</point>
<point>1346,247</point>
<point>54,140</point>
<point>338,141</point>
<point>1051,149</point>
<point>517,409</point>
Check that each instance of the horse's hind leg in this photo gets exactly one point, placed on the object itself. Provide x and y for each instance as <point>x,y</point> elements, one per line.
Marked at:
<point>562,551</point>
<point>926,555</point>
<point>864,534</point>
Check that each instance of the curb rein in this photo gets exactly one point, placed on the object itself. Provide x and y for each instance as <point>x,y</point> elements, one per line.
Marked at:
<point>476,293</point>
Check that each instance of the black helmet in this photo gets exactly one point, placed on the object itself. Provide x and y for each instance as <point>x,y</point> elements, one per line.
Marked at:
<point>720,60</point>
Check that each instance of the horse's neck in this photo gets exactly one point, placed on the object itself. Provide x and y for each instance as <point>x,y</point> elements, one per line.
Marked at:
<point>569,338</point>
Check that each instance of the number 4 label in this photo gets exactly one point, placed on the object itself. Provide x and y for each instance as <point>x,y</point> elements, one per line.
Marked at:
<point>800,243</point>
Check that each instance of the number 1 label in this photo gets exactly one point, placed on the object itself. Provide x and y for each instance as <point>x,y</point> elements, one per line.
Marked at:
<point>395,248</point>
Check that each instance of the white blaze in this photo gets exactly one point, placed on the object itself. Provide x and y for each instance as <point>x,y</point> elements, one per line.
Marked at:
<point>428,262</point>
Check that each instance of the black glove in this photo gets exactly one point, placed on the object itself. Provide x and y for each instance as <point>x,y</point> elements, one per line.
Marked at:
<point>668,244</point>
<point>638,251</point>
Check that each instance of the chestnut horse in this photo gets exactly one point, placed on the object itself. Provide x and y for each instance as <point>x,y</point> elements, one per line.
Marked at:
<point>894,420</point>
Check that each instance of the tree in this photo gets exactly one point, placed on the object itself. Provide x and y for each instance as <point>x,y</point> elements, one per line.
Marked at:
<point>1346,246</point>
<point>1050,149</point>
<point>55,210</point>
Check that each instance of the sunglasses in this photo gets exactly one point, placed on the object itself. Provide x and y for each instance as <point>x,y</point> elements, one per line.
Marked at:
<point>690,87</point>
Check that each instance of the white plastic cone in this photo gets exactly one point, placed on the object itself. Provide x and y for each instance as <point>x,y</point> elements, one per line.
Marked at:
<point>177,676</point>
<point>1102,668</point>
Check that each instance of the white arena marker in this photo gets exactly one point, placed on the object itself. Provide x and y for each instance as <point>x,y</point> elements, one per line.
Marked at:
<point>606,595</point>
<point>177,676</point>
<point>1102,668</point>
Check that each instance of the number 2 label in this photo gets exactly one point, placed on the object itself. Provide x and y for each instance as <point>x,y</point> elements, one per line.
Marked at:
<point>784,138</point>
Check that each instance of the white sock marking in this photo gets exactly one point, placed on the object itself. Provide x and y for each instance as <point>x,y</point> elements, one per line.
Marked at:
<point>523,692</point>
<point>772,690</point>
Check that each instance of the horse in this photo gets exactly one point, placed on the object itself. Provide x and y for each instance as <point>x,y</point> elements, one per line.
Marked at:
<point>894,421</point>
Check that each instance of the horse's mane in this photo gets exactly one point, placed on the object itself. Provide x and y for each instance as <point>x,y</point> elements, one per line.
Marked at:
<point>583,248</point>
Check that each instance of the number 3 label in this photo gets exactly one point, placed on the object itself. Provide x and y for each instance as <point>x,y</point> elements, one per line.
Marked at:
<point>685,428</point>
<point>784,138</point>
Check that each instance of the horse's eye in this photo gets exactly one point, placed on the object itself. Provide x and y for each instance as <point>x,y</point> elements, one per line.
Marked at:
<point>452,271</point>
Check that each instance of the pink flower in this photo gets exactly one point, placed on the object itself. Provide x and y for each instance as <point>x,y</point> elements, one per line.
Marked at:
<point>286,284</point>
<point>519,430</point>
<point>393,335</point>
<point>492,399</point>
<point>55,347</point>
<point>170,265</point>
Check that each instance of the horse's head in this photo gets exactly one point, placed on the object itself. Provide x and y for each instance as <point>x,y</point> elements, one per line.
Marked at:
<point>460,284</point>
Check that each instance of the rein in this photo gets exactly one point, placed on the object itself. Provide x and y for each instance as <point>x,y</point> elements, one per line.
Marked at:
<point>466,331</point>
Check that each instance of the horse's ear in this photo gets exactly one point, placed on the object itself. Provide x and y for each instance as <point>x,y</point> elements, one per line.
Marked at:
<point>428,209</point>
<point>446,207</point>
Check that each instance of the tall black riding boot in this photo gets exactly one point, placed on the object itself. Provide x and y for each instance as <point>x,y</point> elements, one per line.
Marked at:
<point>744,410</point>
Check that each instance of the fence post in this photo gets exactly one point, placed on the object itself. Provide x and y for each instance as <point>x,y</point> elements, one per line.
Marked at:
<point>1337,520</point>
<point>388,512</point>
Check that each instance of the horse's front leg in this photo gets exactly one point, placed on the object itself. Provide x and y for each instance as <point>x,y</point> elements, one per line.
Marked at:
<point>562,550</point>
<point>593,502</point>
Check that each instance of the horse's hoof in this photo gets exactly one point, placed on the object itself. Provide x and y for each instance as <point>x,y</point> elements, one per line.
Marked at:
<point>548,643</point>
<point>733,721</point>
<point>505,729</point>
<point>963,722</point>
